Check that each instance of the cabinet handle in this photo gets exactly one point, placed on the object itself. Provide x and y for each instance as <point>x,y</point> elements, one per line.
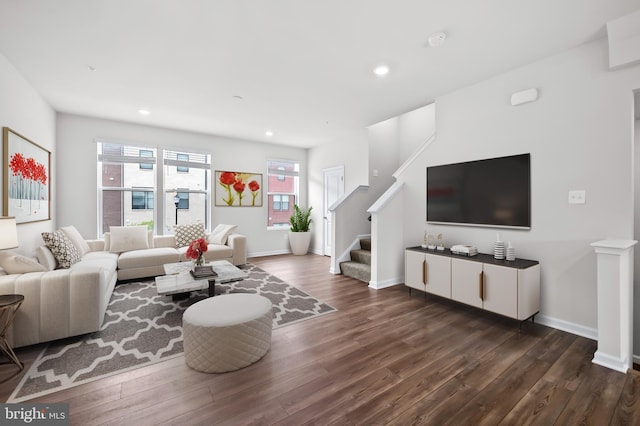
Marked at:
<point>424,272</point>
<point>481,286</point>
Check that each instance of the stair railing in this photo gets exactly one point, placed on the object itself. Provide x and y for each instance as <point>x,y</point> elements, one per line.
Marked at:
<point>387,228</point>
<point>348,222</point>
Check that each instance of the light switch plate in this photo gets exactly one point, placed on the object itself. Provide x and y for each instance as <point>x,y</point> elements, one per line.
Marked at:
<point>577,196</point>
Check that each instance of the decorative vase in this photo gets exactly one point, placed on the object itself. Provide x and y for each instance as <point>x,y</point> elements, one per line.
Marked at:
<point>299,242</point>
<point>199,261</point>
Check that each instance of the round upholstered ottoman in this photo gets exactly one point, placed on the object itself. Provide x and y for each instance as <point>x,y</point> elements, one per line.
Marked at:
<point>227,332</point>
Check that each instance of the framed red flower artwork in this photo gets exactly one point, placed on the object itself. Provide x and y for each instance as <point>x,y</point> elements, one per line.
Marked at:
<point>27,179</point>
<point>238,189</point>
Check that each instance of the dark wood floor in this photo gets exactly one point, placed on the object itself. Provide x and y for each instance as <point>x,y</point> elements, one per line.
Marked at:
<point>384,358</point>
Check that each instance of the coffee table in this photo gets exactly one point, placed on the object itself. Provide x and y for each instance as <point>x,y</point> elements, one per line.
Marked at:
<point>178,281</point>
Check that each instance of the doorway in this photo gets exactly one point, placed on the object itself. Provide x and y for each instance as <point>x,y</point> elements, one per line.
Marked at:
<point>333,188</point>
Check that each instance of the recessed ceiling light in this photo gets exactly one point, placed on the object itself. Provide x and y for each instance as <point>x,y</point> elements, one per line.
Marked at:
<point>237,97</point>
<point>268,133</point>
<point>437,39</point>
<point>143,112</point>
<point>381,70</point>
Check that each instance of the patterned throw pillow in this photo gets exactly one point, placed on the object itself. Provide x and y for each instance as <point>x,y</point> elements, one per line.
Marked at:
<point>63,250</point>
<point>186,233</point>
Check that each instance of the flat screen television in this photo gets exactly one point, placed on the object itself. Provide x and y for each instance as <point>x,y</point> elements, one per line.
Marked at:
<point>493,192</point>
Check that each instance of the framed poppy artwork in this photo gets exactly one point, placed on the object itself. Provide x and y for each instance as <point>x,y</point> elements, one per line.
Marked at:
<point>26,177</point>
<point>238,189</point>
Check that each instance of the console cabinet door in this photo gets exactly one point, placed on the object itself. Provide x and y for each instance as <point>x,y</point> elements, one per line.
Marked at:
<point>438,275</point>
<point>466,282</point>
<point>414,269</point>
<point>501,290</point>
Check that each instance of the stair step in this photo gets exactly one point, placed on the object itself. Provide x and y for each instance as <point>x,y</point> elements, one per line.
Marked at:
<point>357,270</point>
<point>361,256</point>
<point>365,244</point>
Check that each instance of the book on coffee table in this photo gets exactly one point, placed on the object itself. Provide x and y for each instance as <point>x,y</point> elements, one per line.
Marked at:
<point>205,271</point>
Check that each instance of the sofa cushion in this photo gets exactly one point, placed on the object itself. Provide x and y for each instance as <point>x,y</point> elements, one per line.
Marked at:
<point>63,249</point>
<point>215,252</point>
<point>106,238</point>
<point>127,238</point>
<point>221,233</point>
<point>14,263</point>
<point>149,257</point>
<point>98,260</point>
<point>185,234</point>
<point>72,234</point>
<point>46,258</point>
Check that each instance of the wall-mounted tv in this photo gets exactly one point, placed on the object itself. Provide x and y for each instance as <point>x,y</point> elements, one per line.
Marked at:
<point>492,192</point>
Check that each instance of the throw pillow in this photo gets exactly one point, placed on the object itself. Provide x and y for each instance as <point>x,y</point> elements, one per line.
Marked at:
<point>63,250</point>
<point>76,238</point>
<point>128,238</point>
<point>46,258</point>
<point>186,233</point>
<point>14,263</point>
<point>221,233</point>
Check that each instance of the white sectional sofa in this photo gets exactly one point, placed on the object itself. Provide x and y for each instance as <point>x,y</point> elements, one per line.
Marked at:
<point>67,302</point>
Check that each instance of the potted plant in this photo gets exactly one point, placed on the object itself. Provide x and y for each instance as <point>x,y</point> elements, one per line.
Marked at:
<point>299,234</point>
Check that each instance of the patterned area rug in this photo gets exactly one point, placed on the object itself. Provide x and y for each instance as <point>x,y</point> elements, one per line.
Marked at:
<point>142,328</point>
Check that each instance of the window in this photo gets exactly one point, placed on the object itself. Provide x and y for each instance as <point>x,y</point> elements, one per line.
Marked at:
<point>129,195</point>
<point>142,200</point>
<point>281,202</point>
<point>126,191</point>
<point>185,158</point>
<point>146,153</point>
<point>187,180</point>
<point>282,191</point>
<point>183,200</point>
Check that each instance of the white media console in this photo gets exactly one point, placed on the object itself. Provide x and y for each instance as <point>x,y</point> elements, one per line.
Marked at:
<point>509,288</point>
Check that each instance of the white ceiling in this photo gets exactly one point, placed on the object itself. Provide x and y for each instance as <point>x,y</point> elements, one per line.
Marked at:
<point>303,68</point>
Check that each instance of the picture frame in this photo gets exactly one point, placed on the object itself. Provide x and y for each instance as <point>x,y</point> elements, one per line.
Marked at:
<point>26,178</point>
<point>238,189</point>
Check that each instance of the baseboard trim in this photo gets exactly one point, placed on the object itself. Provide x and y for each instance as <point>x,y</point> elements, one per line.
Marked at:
<point>386,283</point>
<point>569,327</point>
<point>268,253</point>
<point>611,362</point>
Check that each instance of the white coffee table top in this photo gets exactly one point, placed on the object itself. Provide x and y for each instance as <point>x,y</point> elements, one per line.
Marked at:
<point>180,280</point>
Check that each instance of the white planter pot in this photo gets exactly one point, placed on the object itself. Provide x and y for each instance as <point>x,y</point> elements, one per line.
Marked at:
<point>299,242</point>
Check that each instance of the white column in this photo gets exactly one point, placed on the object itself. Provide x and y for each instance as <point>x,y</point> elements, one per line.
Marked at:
<point>615,304</point>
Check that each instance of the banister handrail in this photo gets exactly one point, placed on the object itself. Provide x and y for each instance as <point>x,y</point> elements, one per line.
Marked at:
<point>414,156</point>
<point>385,198</point>
<point>343,198</point>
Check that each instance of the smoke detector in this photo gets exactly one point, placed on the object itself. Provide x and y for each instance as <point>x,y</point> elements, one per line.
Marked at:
<point>437,39</point>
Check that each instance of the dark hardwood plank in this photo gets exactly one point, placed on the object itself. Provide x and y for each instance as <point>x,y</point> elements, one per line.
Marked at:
<point>385,357</point>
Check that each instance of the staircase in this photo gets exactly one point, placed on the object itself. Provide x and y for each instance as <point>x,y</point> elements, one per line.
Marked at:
<point>359,267</point>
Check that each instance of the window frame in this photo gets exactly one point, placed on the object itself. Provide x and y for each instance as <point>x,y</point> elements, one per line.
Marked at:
<point>276,169</point>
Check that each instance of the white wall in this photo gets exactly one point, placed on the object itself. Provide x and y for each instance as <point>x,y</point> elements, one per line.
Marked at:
<point>414,128</point>
<point>353,155</point>
<point>77,198</point>
<point>636,249</point>
<point>579,134</point>
<point>23,110</point>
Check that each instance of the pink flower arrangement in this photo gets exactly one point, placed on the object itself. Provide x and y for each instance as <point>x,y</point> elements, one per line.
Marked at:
<point>197,249</point>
